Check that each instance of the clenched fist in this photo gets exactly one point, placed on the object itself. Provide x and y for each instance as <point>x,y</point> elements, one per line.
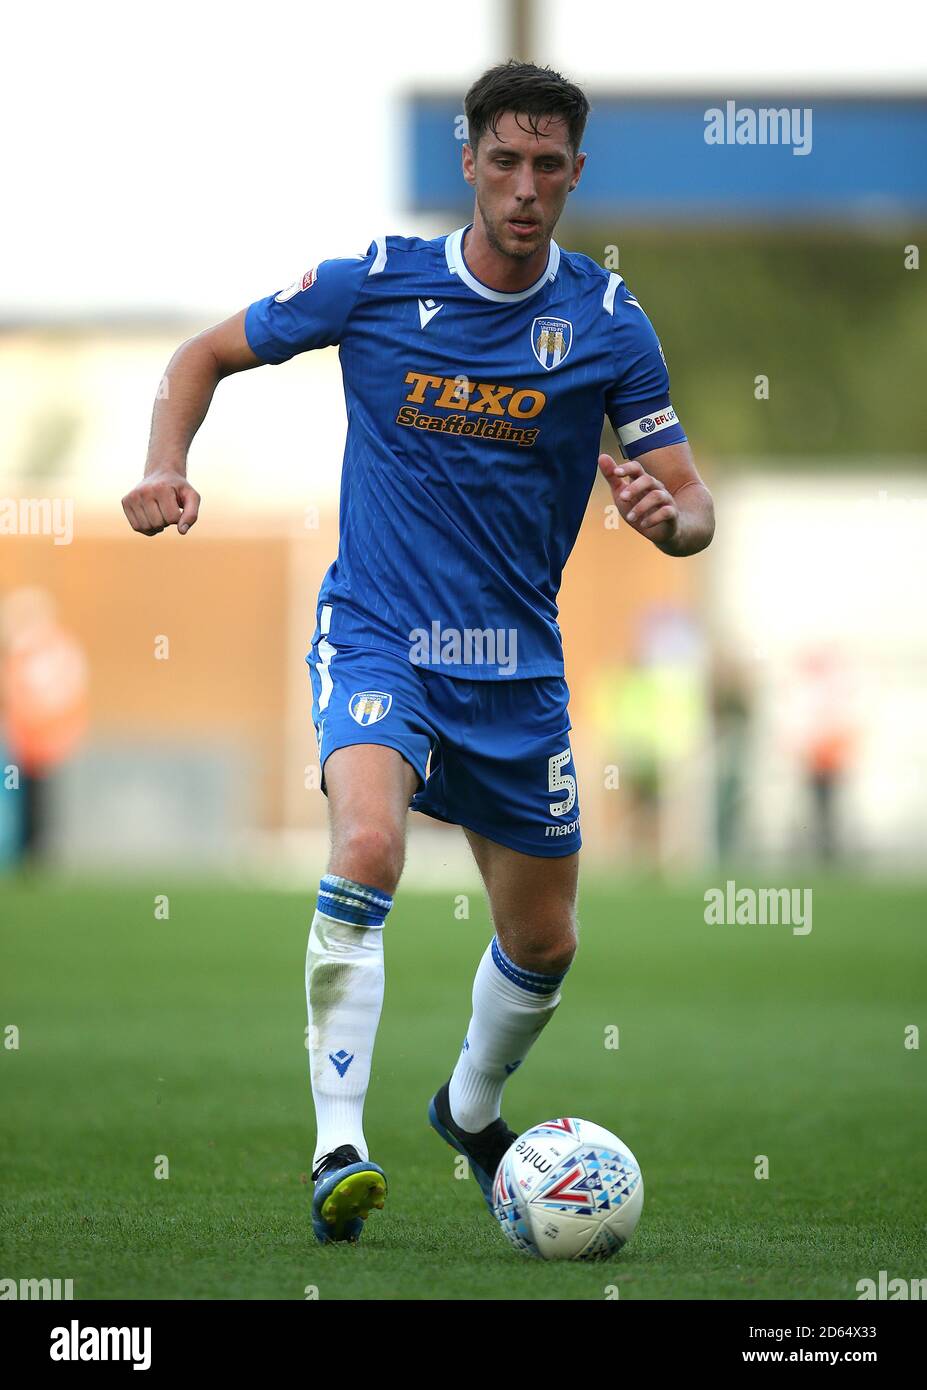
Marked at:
<point>159,500</point>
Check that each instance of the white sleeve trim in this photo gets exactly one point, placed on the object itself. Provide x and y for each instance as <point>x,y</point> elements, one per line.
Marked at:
<point>380,258</point>
<point>608,302</point>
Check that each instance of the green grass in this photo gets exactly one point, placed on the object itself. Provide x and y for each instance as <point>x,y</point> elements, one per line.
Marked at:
<point>141,1037</point>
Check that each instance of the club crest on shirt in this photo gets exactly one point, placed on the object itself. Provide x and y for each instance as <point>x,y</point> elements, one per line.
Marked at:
<point>551,340</point>
<point>302,284</point>
<point>367,706</point>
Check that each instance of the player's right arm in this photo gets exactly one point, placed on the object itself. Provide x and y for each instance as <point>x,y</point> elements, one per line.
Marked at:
<point>313,312</point>
<point>164,497</point>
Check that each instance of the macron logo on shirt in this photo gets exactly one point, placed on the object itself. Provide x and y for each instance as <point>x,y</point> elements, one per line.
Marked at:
<point>427,310</point>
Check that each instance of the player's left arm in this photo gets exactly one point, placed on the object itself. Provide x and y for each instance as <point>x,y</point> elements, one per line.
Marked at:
<point>661,495</point>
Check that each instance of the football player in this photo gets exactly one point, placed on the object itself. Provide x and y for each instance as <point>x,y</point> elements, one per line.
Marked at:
<point>478,367</point>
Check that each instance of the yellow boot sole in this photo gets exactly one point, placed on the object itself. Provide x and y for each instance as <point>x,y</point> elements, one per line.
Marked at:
<point>356,1196</point>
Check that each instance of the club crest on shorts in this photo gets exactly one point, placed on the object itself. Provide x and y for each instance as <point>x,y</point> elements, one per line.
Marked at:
<point>551,340</point>
<point>367,706</point>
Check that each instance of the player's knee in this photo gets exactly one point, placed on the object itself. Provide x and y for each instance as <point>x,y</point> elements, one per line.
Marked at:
<point>555,958</point>
<point>371,854</point>
<point>549,949</point>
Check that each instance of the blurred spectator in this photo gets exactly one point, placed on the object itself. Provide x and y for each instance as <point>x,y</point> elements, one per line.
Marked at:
<point>823,735</point>
<point>648,721</point>
<point>731,701</point>
<point>43,680</point>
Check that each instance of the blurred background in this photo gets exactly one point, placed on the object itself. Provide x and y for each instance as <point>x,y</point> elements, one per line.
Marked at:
<point>761,704</point>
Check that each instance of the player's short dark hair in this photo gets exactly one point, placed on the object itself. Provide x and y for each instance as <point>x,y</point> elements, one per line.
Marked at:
<point>527,89</point>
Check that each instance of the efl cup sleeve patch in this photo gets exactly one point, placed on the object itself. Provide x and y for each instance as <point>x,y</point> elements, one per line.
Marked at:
<point>304,282</point>
<point>313,312</point>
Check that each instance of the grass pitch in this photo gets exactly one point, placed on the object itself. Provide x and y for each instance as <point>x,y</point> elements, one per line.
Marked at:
<point>141,1038</point>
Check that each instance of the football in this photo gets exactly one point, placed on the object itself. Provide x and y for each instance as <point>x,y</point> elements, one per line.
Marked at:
<point>568,1190</point>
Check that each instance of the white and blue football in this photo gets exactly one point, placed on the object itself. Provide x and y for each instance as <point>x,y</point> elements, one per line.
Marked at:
<point>568,1190</point>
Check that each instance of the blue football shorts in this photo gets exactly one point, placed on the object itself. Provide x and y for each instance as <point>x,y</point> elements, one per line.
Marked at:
<point>492,755</point>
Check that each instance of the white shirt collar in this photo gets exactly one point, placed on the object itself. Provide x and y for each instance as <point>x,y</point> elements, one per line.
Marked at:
<point>453,250</point>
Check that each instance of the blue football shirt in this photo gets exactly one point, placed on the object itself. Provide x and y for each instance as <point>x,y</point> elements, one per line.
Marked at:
<point>474,423</point>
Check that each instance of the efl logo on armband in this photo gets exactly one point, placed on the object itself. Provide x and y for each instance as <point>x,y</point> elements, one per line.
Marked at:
<point>647,424</point>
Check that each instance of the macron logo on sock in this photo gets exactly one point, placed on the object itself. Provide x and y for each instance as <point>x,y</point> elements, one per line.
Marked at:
<point>341,1060</point>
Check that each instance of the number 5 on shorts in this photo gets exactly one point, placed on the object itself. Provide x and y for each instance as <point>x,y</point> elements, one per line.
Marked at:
<point>558,781</point>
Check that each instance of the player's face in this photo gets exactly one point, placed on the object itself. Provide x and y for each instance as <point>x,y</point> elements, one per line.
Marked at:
<point>522,180</point>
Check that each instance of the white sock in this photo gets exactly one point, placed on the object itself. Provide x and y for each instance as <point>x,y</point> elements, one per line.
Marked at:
<point>511,1007</point>
<point>344,994</point>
